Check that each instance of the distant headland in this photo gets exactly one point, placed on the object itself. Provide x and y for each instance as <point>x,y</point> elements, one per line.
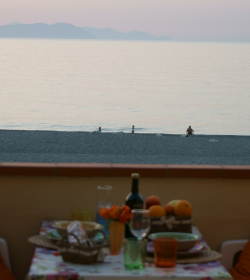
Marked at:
<point>70,31</point>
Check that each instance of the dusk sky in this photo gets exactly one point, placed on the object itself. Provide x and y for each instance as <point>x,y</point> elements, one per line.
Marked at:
<point>178,19</point>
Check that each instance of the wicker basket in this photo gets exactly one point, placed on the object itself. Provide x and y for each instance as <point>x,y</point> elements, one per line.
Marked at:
<point>79,253</point>
<point>171,224</point>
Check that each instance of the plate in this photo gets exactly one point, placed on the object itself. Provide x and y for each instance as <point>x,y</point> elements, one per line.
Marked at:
<point>196,249</point>
<point>193,251</point>
<point>204,256</point>
<point>186,241</point>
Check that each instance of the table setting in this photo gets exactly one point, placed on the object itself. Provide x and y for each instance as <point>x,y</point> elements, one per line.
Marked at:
<point>123,243</point>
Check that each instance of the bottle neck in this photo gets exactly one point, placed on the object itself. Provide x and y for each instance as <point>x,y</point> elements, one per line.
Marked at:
<point>135,183</point>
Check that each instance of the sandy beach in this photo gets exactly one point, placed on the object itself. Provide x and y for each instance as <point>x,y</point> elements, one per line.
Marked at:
<point>58,146</point>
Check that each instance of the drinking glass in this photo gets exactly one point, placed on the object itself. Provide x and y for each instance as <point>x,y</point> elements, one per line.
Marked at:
<point>103,199</point>
<point>134,253</point>
<point>104,196</point>
<point>140,223</point>
<point>82,214</point>
<point>165,251</point>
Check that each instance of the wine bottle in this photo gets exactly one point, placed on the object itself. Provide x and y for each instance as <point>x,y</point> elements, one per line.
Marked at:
<point>134,200</point>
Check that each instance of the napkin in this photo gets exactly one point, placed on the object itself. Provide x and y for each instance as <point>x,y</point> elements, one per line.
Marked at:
<point>77,229</point>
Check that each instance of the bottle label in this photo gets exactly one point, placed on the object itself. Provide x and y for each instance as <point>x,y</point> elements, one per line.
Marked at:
<point>135,204</point>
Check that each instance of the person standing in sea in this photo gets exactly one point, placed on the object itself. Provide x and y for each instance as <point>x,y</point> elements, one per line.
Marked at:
<point>189,131</point>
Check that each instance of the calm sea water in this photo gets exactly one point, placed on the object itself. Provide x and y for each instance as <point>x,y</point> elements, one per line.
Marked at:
<point>159,87</point>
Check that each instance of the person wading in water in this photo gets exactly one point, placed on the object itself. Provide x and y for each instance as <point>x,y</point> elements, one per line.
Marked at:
<point>189,132</point>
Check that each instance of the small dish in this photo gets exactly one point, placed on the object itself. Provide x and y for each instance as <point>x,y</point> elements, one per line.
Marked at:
<point>185,240</point>
<point>54,236</point>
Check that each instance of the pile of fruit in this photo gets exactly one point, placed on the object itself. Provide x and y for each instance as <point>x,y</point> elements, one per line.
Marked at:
<point>177,207</point>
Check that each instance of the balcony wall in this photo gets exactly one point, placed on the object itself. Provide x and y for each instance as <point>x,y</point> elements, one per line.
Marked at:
<point>31,193</point>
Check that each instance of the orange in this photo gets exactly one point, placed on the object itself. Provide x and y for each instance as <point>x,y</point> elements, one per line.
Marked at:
<point>156,211</point>
<point>169,208</point>
<point>183,208</point>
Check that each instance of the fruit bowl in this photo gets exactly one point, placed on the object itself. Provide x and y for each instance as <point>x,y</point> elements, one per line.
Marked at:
<point>61,226</point>
<point>185,240</point>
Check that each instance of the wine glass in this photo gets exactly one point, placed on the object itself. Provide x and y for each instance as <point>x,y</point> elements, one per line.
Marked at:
<point>140,223</point>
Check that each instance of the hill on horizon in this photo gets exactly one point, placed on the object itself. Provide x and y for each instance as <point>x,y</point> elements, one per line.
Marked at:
<point>70,31</point>
<point>108,33</point>
<point>42,30</point>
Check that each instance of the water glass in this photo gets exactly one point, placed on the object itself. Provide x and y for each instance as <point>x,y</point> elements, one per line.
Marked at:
<point>134,252</point>
<point>165,251</point>
<point>103,199</point>
<point>104,196</point>
<point>82,214</point>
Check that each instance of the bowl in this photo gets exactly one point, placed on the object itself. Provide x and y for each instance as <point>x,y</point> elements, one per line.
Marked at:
<point>61,226</point>
<point>185,240</point>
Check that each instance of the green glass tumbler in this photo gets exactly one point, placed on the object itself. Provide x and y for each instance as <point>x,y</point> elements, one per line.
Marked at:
<point>134,252</point>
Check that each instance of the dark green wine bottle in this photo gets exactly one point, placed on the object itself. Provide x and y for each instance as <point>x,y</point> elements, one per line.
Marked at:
<point>134,200</point>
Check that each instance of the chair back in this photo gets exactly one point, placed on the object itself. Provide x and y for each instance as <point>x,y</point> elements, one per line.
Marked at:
<point>5,253</point>
<point>231,250</point>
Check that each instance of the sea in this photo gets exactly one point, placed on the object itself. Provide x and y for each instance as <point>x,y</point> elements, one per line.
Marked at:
<point>155,86</point>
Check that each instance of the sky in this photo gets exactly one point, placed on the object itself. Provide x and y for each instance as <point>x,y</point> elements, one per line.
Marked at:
<point>223,20</point>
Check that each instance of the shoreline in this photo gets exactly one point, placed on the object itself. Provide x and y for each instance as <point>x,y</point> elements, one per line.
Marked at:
<point>121,132</point>
<point>117,147</point>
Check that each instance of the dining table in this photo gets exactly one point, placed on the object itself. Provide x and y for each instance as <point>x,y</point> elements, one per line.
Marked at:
<point>47,264</point>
